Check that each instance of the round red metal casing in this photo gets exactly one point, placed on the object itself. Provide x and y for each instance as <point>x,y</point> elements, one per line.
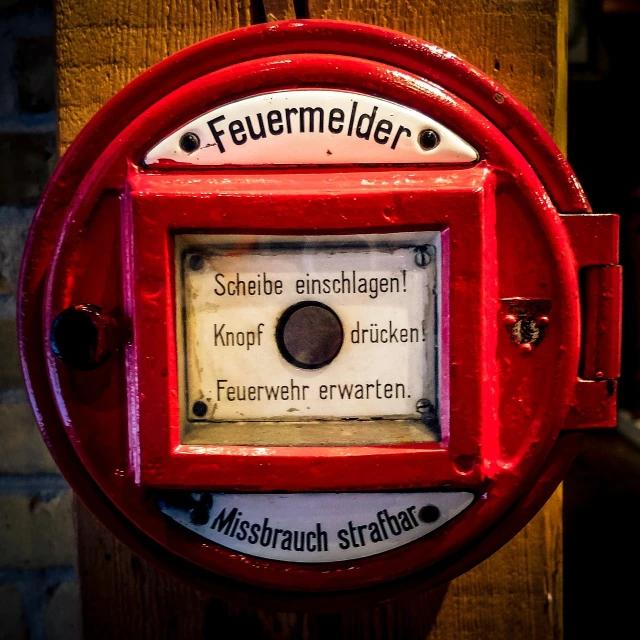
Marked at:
<point>101,237</point>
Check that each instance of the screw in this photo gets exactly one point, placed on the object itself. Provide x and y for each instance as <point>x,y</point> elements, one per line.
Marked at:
<point>429,514</point>
<point>428,139</point>
<point>189,142</point>
<point>424,405</point>
<point>424,255</point>
<point>199,409</point>
<point>196,262</point>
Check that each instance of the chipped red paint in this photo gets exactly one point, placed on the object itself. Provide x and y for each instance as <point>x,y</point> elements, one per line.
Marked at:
<point>103,236</point>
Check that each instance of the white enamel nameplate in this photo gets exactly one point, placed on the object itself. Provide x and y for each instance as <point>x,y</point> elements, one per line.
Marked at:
<point>316,127</point>
<point>314,527</point>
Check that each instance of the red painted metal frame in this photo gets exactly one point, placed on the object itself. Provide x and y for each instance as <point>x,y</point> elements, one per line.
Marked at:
<point>87,436</point>
<point>159,207</point>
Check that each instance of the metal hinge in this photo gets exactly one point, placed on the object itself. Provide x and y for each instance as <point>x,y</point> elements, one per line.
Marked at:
<point>594,239</point>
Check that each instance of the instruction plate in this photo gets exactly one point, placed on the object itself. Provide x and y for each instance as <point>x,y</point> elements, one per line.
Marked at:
<point>314,527</point>
<point>309,328</point>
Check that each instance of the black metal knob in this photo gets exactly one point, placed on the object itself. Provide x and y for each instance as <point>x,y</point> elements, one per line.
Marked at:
<point>81,336</point>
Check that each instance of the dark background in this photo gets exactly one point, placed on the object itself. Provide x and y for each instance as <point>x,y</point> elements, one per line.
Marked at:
<point>39,595</point>
<point>602,491</point>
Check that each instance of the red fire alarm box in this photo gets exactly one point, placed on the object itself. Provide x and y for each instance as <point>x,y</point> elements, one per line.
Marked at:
<point>317,307</point>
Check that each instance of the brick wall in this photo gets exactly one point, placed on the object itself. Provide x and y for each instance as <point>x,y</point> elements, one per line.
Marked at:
<point>38,589</point>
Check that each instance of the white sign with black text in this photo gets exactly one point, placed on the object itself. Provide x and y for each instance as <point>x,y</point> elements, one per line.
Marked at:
<point>299,328</point>
<point>311,126</point>
<point>314,527</point>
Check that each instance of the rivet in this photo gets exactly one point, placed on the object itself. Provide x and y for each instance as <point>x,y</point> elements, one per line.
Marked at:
<point>189,142</point>
<point>199,409</point>
<point>464,464</point>
<point>509,319</point>
<point>196,262</point>
<point>428,139</point>
<point>429,514</point>
<point>542,321</point>
<point>526,347</point>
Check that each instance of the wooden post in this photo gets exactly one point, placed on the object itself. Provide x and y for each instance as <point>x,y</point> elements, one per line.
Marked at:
<point>517,593</point>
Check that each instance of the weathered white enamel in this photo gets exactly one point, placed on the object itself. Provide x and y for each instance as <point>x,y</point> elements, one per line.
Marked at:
<point>376,285</point>
<point>315,527</point>
<point>313,127</point>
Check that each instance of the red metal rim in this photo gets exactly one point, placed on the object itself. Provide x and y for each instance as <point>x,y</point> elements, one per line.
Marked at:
<point>285,38</point>
<point>276,74</point>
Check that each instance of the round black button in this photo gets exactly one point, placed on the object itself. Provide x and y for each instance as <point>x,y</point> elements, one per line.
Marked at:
<point>309,335</point>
